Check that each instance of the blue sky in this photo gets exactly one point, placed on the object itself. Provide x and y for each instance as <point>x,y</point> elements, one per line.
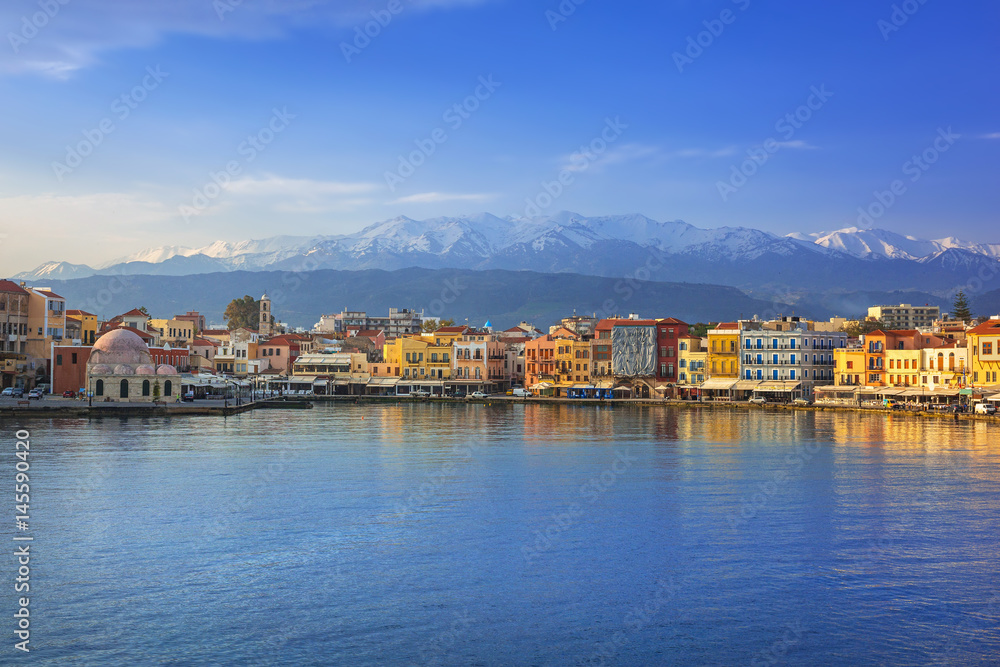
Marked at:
<point>332,122</point>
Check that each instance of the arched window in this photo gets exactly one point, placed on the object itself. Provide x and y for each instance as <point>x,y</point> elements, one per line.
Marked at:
<point>168,388</point>
<point>145,387</point>
<point>123,393</point>
<point>951,361</point>
<point>99,388</point>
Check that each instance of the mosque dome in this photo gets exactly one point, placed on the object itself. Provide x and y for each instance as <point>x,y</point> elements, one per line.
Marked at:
<point>166,369</point>
<point>146,369</point>
<point>100,369</point>
<point>124,369</point>
<point>120,346</point>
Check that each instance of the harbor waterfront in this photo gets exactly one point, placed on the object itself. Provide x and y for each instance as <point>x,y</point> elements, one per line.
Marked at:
<point>514,532</point>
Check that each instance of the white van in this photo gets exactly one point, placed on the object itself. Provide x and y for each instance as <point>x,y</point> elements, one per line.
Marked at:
<point>521,392</point>
<point>985,408</point>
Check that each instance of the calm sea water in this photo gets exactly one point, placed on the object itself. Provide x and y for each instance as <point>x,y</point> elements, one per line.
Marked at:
<point>512,535</point>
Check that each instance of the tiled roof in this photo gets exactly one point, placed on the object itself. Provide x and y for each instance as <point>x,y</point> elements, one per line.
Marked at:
<point>77,313</point>
<point>10,286</point>
<point>988,327</point>
<point>49,293</point>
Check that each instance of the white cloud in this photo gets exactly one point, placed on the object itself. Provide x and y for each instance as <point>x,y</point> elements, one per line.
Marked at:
<point>438,197</point>
<point>270,185</point>
<point>797,144</point>
<point>992,135</point>
<point>74,35</point>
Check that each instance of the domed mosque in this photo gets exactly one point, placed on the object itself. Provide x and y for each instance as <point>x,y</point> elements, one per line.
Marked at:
<point>121,368</point>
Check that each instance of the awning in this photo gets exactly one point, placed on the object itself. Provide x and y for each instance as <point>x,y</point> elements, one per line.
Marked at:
<point>302,379</point>
<point>746,385</point>
<point>889,391</point>
<point>779,386</point>
<point>718,385</point>
<point>541,385</point>
<point>604,384</point>
<point>994,397</point>
<point>383,382</point>
<point>583,386</point>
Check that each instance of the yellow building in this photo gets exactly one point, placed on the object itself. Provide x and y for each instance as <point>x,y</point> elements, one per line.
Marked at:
<point>849,366</point>
<point>724,351</point>
<point>176,332</point>
<point>984,353</point>
<point>88,325</point>
<point>692,359</point>
<point>944,366</point>
<point>46,322</point>
<point>572,360</point>
<point>419,357</point>
<point>902,368</point>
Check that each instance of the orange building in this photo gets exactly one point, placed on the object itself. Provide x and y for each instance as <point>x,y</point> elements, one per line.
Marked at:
<point>878,343</point>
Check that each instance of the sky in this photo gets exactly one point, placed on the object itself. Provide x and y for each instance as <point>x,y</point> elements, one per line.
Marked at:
<point>128,125</point>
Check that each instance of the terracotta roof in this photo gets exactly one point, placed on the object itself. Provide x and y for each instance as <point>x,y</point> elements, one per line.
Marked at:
<point>49,293</point>
<point>370,333</point>
<point>452,330</point>
<point>202,342</point>
<point>10,286</point>
<point>727,325</point>
<point>672,320</point>
<point>80,312</point>
<point>987,327</point>
<point>215,332</point>
<point>635,323</point>
<point>135,312</point>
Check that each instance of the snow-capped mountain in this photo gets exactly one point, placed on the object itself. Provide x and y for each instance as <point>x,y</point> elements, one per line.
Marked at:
<point>613,246</point>
<point>875,243</point>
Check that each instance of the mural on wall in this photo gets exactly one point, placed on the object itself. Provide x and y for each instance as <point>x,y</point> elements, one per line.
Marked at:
<point>633,350</point>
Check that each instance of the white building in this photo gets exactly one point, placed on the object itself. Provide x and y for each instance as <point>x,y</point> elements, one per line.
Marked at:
<point>790,352</point>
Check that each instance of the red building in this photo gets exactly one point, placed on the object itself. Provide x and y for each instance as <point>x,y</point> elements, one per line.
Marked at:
<point>668,333</point>
<point>69,367</point>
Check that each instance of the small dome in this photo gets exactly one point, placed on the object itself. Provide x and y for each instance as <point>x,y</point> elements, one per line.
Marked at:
<point>100,369</point>
<point>146,369</point>
<point>166,369</point>
<point>265,297</point>
<point>120,346</point>
<point>124,369</point>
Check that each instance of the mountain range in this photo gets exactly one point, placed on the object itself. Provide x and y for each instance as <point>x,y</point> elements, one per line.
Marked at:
<point>612,246</point>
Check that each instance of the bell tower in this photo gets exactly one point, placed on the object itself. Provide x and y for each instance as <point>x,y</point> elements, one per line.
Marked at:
<point>265,325</point>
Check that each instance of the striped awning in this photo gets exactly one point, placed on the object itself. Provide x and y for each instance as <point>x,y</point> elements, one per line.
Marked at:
<point>718,385</point>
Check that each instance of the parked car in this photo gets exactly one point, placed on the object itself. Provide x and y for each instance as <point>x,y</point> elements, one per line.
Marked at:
<point>17,392</point>
<point>478,394</point>
<point>801,401</point>
<point>520,392</point>
<point>758,400</point>
<point>36,394</point>
<point>420,393</point>
<point>985,408</point>
<point>8,391</point>
<point>188,397</point>
<point>459,394</point>
<point>69,393</point>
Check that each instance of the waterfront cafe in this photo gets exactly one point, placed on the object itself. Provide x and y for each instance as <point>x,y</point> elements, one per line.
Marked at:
<point>588,391</point>
<point>779,391</point>
<point>743,389</point>
<point>717,389</point>
<point>832,395</point>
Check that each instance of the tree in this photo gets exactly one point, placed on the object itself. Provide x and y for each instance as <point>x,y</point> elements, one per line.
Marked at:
<point>960,308</point>
<point>156,390</point>
<point>242,313</point>
<point>700,329</point>
<point>863,327</point>
<point>142,309</point>
<point>430,326</point>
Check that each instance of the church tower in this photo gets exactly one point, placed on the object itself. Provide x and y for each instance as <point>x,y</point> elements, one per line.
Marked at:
<point>265,326</point>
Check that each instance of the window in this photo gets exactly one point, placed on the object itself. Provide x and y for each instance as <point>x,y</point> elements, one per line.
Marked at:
<point>58,360</point>
<point>987,348</point>
<point>792,374</point>
<point>145,387</point>
<point>168,388</point>
<point>99,388</point>
<point>850,365</point>
<point>123,389</point>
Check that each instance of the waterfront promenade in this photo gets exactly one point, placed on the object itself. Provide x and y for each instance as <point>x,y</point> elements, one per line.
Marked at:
<point>62,407</point>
